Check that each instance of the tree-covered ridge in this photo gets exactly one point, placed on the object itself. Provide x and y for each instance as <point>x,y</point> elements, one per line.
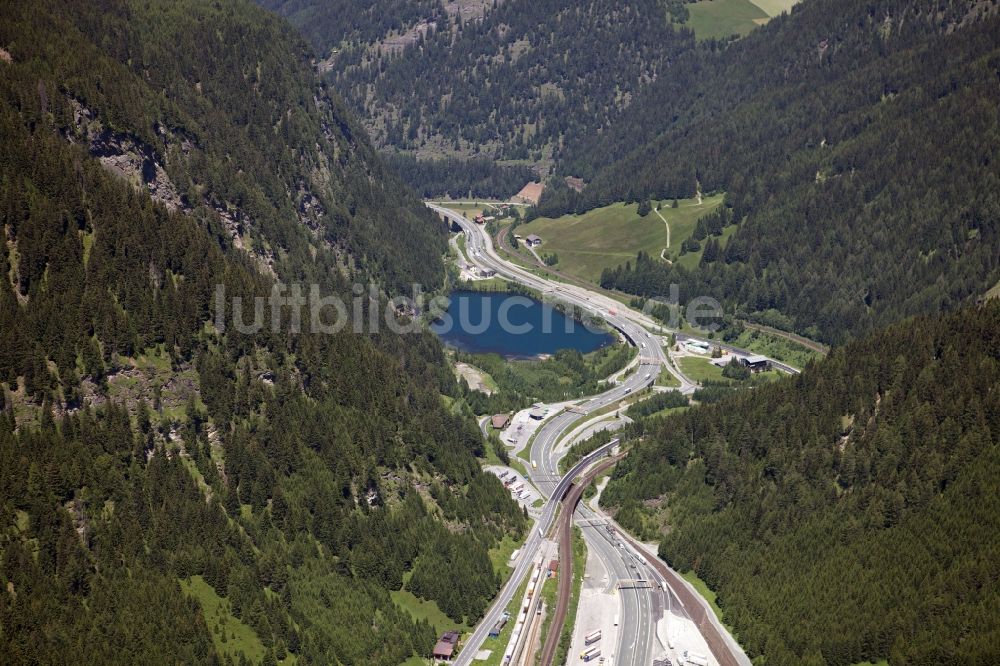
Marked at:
<point>857,144</point>
<point>850,513</point>
<point>346,23</point>
<point>518,83</point>
<point>223,98</point>
<point>478,177</point>
<point>301,476</point>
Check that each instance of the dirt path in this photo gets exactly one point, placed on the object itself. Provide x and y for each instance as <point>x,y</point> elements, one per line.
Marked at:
<point>667,225</point>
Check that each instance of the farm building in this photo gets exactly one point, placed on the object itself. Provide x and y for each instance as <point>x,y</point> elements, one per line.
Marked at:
<point>532,240</point>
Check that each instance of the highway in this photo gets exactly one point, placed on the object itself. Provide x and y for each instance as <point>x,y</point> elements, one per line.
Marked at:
<point>525,558</point>
<point>639,607</point>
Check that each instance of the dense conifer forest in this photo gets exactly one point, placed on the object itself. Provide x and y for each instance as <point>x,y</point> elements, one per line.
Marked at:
<point>460,178</point>
<point>849,513</point>
<point>152,152</point>
<point>175,491</point>
<point>518,79</point>
<point>857,146</point>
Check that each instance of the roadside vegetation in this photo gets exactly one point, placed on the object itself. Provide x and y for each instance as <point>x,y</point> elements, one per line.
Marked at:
<point>579,567</point>
<point>566,375</point>
<point>770,345</point>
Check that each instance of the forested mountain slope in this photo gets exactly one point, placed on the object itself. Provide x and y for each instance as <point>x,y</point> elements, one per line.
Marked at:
<point>520,82</point>
<point>850,513</point>
<point>237,121</point>
<point>153,152</point>
<point>858,145</point>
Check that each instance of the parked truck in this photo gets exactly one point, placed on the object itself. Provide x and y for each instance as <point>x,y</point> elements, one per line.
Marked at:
<point>590,654</point>
<point>592,637</point>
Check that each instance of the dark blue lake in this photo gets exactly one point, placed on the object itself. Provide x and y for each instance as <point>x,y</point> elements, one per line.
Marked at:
<point>513,326</point>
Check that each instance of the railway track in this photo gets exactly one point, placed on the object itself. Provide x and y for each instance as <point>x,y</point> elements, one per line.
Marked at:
<point>564,528</point>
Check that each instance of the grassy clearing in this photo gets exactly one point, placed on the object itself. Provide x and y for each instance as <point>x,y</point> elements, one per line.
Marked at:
<point>500,555</point>
<point>609,236</point>
<point>230,635</point>
<point>667,412</point>
<point>994,291</point>
<point>683,219</point>
<point>421,609</point>
<point>88,242</point>
<point>700,369</point>
<point>665,378</point>
<point>525,453</point>
<point>775,7</point>
<point>718,19</point>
